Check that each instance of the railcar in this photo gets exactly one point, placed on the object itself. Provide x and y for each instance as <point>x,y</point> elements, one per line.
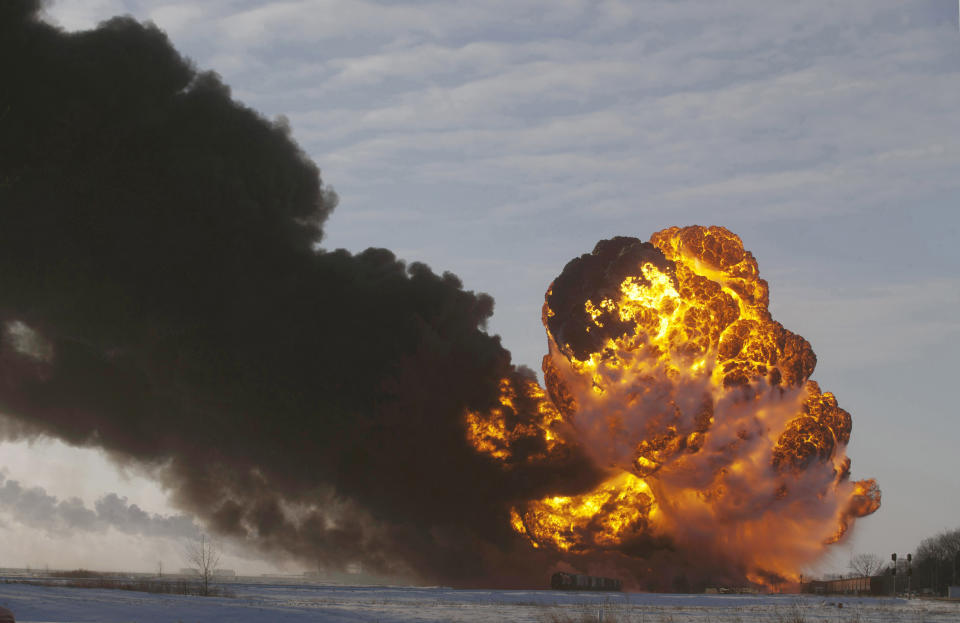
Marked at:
<point>561,581</point>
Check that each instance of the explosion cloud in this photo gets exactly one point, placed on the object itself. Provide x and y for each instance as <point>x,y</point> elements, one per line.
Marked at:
<point>163,298</point>
<point>667,369</point>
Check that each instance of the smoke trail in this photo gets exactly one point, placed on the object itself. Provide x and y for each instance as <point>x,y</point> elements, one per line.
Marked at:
<point>163,298</point>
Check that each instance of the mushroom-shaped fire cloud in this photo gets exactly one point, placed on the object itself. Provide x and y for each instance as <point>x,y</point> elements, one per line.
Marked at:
<point>666,368</point>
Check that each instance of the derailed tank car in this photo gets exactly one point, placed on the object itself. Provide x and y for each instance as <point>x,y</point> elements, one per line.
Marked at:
<point>561,581</point>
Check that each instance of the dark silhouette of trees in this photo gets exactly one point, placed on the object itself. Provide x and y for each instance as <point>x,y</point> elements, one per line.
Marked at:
<point>866,565</point>
<point>936,562</point>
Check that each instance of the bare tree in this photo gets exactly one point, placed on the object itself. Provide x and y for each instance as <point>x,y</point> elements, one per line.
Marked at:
<point>866,565</point>
<point>204,555</point>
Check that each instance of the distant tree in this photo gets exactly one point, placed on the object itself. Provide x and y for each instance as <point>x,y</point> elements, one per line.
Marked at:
<point>866,565</point>
<point>204,555</point>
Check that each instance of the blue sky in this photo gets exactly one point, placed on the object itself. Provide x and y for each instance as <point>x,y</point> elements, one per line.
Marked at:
<point>498,140</point>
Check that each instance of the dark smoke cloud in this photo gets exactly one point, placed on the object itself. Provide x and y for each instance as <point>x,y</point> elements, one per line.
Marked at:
<point>37,508</point>
<point>595,276</point>
<point>163,298</point>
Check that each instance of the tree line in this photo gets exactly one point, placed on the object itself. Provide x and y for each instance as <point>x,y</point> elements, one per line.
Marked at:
<point>935,564</point>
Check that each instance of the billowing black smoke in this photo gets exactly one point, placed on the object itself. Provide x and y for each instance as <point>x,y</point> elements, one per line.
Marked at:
<point>162,297</point>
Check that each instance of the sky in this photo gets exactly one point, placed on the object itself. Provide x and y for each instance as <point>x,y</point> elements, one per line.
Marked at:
<point>499,140</point>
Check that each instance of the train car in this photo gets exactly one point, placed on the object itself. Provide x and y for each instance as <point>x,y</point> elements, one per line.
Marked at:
<point>561,581</point>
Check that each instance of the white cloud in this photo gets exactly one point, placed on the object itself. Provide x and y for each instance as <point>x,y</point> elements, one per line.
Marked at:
<point>874,325</point>
<point>77,15</point>
<point>176,16</point>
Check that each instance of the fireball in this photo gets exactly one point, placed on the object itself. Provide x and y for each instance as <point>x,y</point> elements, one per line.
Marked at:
<point>666,368</point>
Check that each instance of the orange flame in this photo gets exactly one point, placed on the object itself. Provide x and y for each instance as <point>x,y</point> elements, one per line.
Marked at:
<point>674,378</point>
<point>498,431</point>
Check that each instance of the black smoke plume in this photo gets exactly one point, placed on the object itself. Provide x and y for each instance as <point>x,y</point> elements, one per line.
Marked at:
<point>163,298</point>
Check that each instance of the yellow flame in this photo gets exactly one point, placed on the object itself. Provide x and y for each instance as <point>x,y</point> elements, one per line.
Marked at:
<point>604,517</point>
<point>704,318</point>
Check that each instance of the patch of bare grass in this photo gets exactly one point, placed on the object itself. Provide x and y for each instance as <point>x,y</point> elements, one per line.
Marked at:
<point>592,613</point>
<point>77,574</point>
<point>791,614</point>
<point>166,587</point>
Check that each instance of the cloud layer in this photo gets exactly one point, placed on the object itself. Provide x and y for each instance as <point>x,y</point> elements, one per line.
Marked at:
<point>34,507</point>
<point>528,131</point>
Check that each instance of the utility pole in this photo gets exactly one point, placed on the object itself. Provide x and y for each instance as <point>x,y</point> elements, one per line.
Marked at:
<point>909,572</point>
<point>893,557</point>
<point>893,571</point>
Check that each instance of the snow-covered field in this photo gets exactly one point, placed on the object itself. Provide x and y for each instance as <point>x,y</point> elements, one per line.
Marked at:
<point>268,602</point>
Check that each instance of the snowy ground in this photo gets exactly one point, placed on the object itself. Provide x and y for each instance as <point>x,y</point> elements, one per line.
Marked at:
<point>280,602</point>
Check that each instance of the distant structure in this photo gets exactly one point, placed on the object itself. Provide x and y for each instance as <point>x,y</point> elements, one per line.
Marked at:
<point>561,581</point>
<point>953,592</point>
